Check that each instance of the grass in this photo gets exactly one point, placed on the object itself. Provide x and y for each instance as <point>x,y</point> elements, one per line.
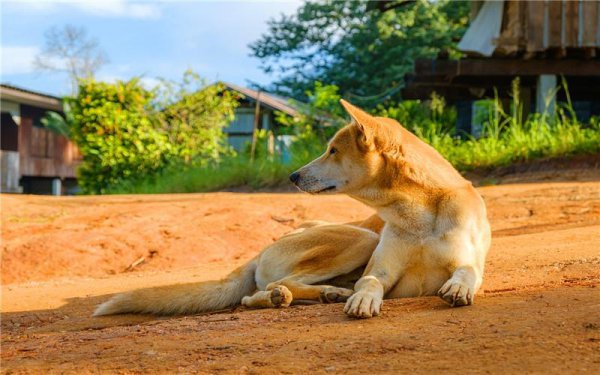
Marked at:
<point>506,139</point>
<point>229,173</point>
<point>536,139</point>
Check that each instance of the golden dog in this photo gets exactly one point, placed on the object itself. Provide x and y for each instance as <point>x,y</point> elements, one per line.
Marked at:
<point>436,235</point>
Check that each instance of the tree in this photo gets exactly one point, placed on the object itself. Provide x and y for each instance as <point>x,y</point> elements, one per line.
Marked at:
<point>364,53</point>
<point>70,50</point>
<point>193,114</point>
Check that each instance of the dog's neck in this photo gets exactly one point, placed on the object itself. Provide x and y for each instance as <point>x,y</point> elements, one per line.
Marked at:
<point>407,193</point>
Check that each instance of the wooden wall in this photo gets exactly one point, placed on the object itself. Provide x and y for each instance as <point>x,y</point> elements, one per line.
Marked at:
<point>42,152</point>
<point>532,27</point>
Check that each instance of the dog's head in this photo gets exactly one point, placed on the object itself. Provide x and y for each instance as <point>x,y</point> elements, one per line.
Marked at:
<point>354,157</point>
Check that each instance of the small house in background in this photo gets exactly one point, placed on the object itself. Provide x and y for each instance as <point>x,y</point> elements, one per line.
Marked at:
<point>256,109</point>
<point>538,41</point>
<point>34,159</point>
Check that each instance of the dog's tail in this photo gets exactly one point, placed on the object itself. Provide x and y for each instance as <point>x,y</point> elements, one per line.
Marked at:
<point>185,298</point>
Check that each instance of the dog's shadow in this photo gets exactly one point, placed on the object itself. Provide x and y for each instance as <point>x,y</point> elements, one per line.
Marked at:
<point>76,315</point>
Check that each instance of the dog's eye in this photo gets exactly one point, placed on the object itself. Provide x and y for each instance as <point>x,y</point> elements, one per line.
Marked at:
<point>332,151</point>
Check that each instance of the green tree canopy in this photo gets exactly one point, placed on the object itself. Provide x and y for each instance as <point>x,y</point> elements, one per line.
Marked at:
<point>364,53</point>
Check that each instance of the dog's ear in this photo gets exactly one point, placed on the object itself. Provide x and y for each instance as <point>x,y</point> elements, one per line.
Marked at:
<point>365,123</point>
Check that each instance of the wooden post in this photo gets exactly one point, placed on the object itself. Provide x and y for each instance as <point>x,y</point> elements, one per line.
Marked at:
<point>464,118</point>
<point>255,127</point>
<point>545,94</point>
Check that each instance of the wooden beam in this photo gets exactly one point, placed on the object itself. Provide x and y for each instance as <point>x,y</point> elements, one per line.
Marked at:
<point>255,127</point>
<point>506,67</point>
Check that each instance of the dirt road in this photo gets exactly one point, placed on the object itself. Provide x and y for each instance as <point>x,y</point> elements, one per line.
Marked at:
<point>538,310</point>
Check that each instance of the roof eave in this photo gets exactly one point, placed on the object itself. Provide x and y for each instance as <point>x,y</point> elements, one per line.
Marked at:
<point>23,97</point>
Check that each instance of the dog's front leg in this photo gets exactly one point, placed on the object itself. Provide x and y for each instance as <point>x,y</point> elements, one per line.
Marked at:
<point>462,286</point>
<point>467,258</point>
<point>386,266</point>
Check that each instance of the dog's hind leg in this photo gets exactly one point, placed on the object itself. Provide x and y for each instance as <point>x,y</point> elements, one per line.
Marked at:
<point>277,296</point>
<point>281,294</point>
<point>320,293</point>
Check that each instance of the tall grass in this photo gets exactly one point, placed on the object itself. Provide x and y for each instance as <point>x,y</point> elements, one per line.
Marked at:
<point>506,138</point>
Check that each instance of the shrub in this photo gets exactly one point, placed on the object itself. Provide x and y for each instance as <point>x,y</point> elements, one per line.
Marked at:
<point>192,114</point>
<point>126,132</point>
<point>111,125</point>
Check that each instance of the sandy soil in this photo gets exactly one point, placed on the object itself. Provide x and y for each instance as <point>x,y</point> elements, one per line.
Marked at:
<point>537,311</point>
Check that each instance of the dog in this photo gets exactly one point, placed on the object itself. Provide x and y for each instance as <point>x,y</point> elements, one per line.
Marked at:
<point>436,234</point>
<point>317,262</point>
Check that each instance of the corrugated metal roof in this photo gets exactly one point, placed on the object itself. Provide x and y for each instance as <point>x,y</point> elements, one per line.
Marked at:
<point>269,100</point>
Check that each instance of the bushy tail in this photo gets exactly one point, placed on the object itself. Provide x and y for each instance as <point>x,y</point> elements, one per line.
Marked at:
<point>185,298</point>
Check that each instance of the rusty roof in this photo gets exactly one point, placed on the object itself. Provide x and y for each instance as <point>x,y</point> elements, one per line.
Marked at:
<point>266,99</point>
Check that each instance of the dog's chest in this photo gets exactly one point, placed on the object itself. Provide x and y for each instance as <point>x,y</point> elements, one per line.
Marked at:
<point>409,217</point>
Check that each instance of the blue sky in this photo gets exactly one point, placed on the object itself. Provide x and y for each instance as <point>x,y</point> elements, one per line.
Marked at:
<point>151,38</point>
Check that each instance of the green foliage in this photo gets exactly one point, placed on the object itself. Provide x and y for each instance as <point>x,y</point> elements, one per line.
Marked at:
<point>508,138</point>
<point>321,112</point>
<point>192,114</point>
<point>111,125</point>
<point>364,53</point>
<point>233,171</point>
<point>59,124</point>
<point>126,132</point>
<point>431,117</point>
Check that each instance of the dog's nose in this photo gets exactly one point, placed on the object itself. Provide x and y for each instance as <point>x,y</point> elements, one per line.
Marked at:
<point>294,177</point>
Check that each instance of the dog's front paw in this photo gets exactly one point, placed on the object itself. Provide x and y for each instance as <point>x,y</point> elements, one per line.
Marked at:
<point>363,305</point>
<point>456,293</point>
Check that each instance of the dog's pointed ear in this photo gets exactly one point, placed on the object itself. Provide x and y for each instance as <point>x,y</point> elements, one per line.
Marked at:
<point>362,119</point>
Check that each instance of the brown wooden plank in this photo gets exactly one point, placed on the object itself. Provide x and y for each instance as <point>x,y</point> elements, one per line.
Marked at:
<point>504,67</point>
<point>571,23</point>
<point>50,143</point>
<point>39,142</point>
<point>555,9</point>
<point>512,35</point>
<point>590,23</point>
<point>535,26</point>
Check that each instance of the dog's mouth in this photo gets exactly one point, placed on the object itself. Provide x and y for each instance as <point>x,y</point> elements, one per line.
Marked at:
<point>329,188</point>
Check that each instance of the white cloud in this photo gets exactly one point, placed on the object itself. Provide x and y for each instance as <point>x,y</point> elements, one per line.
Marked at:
<point>17,59</point>
<point>101,8</point>
<point>118,8</point>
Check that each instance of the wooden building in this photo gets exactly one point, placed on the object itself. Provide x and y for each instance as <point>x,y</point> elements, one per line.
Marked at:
<point>256,108</point>
<point>34,159</point>
<point>538,41</point>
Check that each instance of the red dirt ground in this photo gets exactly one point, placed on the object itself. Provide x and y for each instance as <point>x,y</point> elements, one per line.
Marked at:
<point>538,310</point>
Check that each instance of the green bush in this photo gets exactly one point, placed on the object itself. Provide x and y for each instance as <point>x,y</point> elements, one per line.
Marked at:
<point>126,132</point>
<point>112,126</point>
<point>192,114</point>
